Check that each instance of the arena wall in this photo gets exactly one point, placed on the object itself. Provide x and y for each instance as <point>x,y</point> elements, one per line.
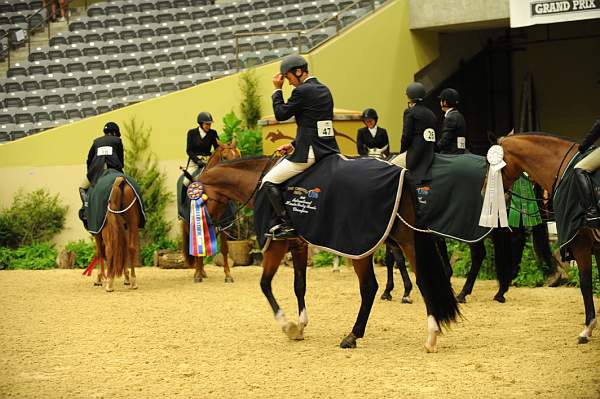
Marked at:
<point>368,65</point>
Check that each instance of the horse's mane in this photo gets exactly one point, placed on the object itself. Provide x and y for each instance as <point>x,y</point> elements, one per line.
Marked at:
<point>243,159</point>
<point>544,134</point>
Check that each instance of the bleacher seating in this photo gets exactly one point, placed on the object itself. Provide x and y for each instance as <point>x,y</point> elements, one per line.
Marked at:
<point>128,51</point>
<point>14,16</point>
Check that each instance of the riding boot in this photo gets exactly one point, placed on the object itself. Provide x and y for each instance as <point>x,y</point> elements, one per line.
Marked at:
<point>587,198</point>
<point>84,204</point>
<point>284,228</point>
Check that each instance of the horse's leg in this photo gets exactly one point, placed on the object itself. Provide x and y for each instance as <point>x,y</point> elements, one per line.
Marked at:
<point>368,288</point>
<point>477,257</point>
<point>110,270</point>
<point>100,257</point>
<point>300,260</point>
<point>225,252</point>
<point>401,262</point>
<point>133,248</point>
<point>582,251</point>
<point>271,261</point>
<point>503,261</point>
<point>188,259</point>
<point>389,264</point>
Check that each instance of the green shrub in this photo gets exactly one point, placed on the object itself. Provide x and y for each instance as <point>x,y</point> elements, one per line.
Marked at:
<point>37,256</point>
<point>462,253</point>
<point>250,105</point>
<point>32,217</point>
<point>147,251</point>
<point>323,259</point>
<point>84,252</point>
<point>141,164</point>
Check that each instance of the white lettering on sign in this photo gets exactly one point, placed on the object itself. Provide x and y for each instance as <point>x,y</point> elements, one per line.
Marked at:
<point>429,134</point>
<point>106,150</point>
<point>325,129</point>
<point>583,4</point>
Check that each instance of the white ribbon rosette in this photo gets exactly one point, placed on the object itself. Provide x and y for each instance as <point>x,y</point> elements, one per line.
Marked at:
<point>494,207</point>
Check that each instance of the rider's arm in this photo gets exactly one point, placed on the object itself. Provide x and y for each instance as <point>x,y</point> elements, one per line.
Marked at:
<point>386,140</point>
<point>285,111</point>
<point>190,144</point>
<point>90,156</point>
<point>360,145</point>
<point>448,133</point>
<point>120,152</point>
<point>591,137</point>
<point>407,130</point>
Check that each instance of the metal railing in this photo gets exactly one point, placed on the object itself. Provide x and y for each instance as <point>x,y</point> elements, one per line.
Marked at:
<point>34,26</point>
<point>299,34</point>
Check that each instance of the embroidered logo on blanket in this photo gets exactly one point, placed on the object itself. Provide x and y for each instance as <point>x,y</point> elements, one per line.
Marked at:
<point>303,200</point>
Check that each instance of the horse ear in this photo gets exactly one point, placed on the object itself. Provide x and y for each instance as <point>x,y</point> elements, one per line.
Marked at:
<point>233,142</point>
<point>492,137</point>
<point>512,132</point>
<point>219,143</point>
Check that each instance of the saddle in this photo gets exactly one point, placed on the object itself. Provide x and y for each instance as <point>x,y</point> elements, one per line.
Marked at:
<point>346,206</point>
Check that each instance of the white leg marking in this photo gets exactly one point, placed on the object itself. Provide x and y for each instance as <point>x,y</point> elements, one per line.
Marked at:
<point>432,332</point>
<point>587,331</point>
<point>280,317</point>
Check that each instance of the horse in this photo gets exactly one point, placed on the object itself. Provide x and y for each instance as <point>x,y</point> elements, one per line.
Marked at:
<point>545,158</point>
<point>119,240</point>
<point>240,179</point>
<point>223,152</point>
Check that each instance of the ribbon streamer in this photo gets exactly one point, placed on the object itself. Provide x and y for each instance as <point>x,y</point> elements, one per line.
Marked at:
<point>203,240</point>
<point>494,207</point>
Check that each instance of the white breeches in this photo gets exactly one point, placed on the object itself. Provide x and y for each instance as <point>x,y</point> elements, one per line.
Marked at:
<point>591,162</point>
<point>286,169</point>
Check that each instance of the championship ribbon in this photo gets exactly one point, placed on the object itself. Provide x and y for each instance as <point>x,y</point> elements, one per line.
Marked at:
<point>494,207</point>
<point>203,240</point>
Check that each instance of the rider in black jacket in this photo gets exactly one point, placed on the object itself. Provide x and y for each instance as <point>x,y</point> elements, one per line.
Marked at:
<point>372,137</point>
<point>582,173</point>
<point>452,137</point>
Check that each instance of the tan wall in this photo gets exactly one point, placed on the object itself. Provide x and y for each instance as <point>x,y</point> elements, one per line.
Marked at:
<point>369,65</point>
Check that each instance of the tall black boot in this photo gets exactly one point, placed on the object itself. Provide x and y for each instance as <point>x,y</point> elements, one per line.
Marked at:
<point>284,229</point>
<point>84,204</point>
<point>587,198</point>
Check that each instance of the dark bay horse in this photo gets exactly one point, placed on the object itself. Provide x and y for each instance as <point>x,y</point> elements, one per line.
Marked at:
<point>240,179</point>
<point>545,158</point>
<point>223,152</point>
<point>119,240</point>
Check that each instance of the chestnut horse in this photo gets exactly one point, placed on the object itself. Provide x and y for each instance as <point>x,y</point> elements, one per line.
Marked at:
<point>223,152</point>
<point>240,179</point>
<point>119,240</point>
<point>545,159</point>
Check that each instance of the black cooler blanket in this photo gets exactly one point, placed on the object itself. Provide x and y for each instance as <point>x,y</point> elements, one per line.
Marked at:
<point>450,205</point>
<point>98,196</point>
<point>345,206</point>
<point>569,214</point>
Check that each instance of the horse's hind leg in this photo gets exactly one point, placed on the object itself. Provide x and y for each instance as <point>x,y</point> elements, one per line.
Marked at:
<point>300,260</point>
<point>225,252</point>
<point>401,262</point>
<point>368,289</point>
<point>389,264</point>
<point>271,260</point>
<point>477,257</point>
<point>133,251</point>
<point>582,252</point>
<point>503,261</point>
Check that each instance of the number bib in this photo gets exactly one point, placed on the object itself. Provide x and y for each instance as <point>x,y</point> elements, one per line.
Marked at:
<point>461,143</point>
<point>106,150</point>
<point>429,134</point>
<point>325,129</point>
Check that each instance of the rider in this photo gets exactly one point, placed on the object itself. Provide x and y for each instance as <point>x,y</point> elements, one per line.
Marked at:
<point>452,140</point>
<point>418,135</point>
<point>371,136</point>
<point>583,168</point>
<point>311,104</point>
<point>200,141</point>
<point>106,153</point>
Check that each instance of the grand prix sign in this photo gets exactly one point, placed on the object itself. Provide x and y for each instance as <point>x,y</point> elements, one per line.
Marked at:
<point>532,12</point>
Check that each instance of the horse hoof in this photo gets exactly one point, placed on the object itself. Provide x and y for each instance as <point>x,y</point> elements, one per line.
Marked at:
<point>431,349</point>
<point>406,299</point>
<point>126,283</point>
<point>291,330</point>
<point>349,342</point>
<point>97,284</point>
<point>461,298</point>
<point>499,298</point>
<point>133,287</point>
<point>386,296</point>
<point>229,279</point>
<point>582,340</point>
<point>197,279</point>
<point>204,275</point>
<point>336,270</point>
<point>109,289</point>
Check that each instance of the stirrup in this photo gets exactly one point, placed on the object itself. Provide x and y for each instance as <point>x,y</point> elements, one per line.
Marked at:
<point>281,231</point>
<point>592,218</point>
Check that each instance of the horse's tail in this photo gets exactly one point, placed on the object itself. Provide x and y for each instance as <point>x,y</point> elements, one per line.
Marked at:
<point>432,279</point>
<point>116,227</point>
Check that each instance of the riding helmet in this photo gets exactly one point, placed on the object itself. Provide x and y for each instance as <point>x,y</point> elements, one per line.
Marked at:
<point>369,113</point>
<point>111,128</point>
<point>451,96</point>
<point>292,61</point>
<point>204,117</point>
<point>416,91</point>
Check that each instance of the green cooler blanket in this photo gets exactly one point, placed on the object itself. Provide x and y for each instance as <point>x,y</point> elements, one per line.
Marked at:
<point>450,205</point>
<point>98,196</point>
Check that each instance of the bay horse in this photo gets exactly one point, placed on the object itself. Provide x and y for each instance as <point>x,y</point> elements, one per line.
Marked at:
<point>545,159</point>
<point>240,179</point>
<point>223,152</point>
<point>119,240</point>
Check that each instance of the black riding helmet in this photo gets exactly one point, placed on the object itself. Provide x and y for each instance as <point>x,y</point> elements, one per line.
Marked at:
<point>370,113</point>
<point>293,61</point>
<point>451,96</point>
<point>416,92</point>
<point>204,117</point>
<point>112,129</point>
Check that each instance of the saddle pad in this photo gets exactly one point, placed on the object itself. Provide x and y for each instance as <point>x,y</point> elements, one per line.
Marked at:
<point>98,196</point>
<point>345,206</point>
<point>450,205</point>
<point>568,212</point>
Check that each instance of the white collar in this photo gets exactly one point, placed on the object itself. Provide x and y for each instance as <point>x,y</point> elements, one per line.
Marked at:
<point>373,130</point>
<point>447,112</point>
<point>202,132</point>
<point>310,77</point>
